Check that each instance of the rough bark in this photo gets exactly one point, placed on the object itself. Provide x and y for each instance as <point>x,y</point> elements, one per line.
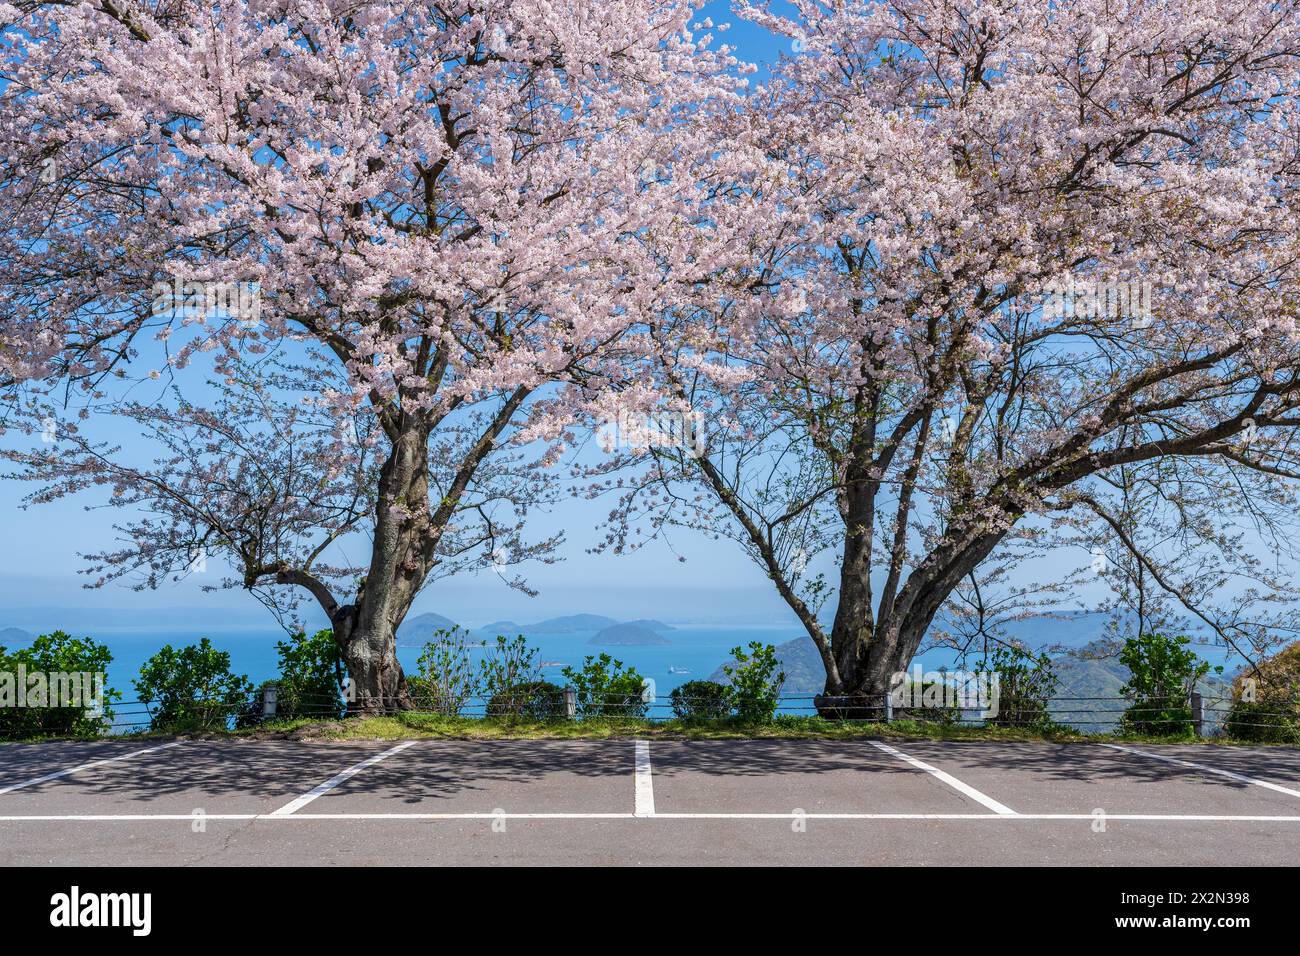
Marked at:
<point>378,682</point>
<point>874,652</point>
<point>398,566</point>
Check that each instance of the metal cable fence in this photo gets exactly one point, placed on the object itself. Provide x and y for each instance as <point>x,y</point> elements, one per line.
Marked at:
<point>1204,715</point>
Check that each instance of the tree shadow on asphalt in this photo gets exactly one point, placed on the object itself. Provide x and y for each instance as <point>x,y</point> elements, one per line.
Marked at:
<point>1093,762</point>
<point>432,770</point>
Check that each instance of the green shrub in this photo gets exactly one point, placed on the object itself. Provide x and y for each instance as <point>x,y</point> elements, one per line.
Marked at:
<point>1025,687</point>
<point>509,665</point>
<point>605,689</point>
<point>1162,673</point>
<point>310,682</point>
<point>1266,700</point>
<point>70,667</point>
<point>311,676</point>
<point>701,700</point>
<point>755,681</point>
<point>933,695</point>
<point>192,688</point>
<point>534,700</point>
<point>445,680</point>
<point>1264,721</point>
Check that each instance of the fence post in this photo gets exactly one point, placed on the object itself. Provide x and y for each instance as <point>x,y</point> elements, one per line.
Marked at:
<point>1198,714</point>
<point>889,706</point>
<point>270,699</point>
<point>571,702</point>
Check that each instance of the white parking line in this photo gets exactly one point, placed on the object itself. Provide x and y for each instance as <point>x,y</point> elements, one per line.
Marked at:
<point>949,779</point>
<point>332,782</point>
<point>1200,766</point>
<point>645,788</point>
<point>85,766</point>
<point>964,817</point>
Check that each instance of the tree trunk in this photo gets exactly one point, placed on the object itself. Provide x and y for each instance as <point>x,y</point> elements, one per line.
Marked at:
<point>866,678</point>
<point>370,655</point>
<point>378,683</point>
<point>870,654</point>
<point>399,561</point>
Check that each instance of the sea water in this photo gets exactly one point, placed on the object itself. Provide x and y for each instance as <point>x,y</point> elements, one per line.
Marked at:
<point>696,650</point>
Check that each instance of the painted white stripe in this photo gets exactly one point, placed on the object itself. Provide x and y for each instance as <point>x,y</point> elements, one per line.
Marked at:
<point>1200,766</point>
<point>972,817</point>
<point>132,817</point>
<point>332,782</point>
<point>645,788</point>
<point>85,766</point>
<point>1011,817</point>
<point>949,779</point>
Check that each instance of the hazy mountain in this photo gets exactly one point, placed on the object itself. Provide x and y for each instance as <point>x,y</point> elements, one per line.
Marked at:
<point>570,624</point>
<point>804,671</point>
<point>628,635</point>
<point>1085,676</point>
<point>11,636</point>
<point>419,630</point>
<point>652,624</point>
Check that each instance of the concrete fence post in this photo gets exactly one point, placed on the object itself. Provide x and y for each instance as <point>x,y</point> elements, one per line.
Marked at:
<point>270,700</point>
<point>889,707</point>
<point>1198,714</point>
<point>571,702</point>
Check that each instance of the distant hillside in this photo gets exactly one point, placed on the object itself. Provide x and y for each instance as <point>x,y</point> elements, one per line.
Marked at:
<point>11,636</point>
<point>570,624</point>
<point>419,630</point>
<point>1065,629</point>
<point>653,625</point>
<point>804,671</point>
<point>1084,675</point>
<point>628,635</point>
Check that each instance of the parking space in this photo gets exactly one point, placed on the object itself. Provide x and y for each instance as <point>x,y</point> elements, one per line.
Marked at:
<point>20,764</point>
<point>1082,778</point>
<point>1275,765</point>
<point>780,776</point>
<point>517,776</point>
<point>212,777</point>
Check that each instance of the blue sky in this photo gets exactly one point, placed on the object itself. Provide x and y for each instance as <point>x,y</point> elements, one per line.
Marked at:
<point>39,565</point>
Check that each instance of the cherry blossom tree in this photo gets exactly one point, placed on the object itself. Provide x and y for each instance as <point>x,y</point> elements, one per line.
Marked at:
<point>353,266</point>
<point>988,264</point>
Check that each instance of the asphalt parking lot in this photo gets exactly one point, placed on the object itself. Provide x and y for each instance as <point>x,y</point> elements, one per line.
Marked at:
<point>435,802</point>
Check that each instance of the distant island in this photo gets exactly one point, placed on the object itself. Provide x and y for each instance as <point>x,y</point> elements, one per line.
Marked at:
<point>628,635</point>
<point>570,624</point>
<point>419,630</point>
<point>14,635</point>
